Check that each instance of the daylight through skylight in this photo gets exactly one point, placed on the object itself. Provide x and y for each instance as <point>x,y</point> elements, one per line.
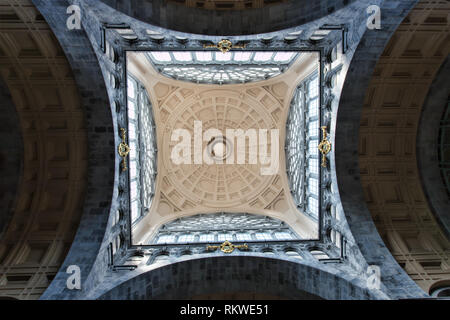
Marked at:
<point>221,68</point>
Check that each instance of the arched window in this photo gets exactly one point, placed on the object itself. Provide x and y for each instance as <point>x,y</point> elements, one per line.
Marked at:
<point>302,141</point>
<point>440,290</point>
<point>319,255</point>
<point>162,257</point>
<point>8,298</point>
<point>220,227</point>
<point>293,254</point>
<point>142,143</point>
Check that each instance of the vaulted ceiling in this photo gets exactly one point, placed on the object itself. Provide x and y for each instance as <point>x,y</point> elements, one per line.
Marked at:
<point>51,191</point>
<point>226,4</point>
<point>387,143</point>
<point>189,189</point>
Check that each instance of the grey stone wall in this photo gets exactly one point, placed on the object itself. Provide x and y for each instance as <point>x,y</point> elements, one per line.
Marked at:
<point>235,22</point>
<point>85,249</point>
<point>229,274</point>
<point>348,117</point>
<point>11,157</point>
<point>434,107</point>
<point>90,248</point>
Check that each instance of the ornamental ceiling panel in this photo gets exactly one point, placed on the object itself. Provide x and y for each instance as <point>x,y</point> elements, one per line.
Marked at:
<point>223,185</point>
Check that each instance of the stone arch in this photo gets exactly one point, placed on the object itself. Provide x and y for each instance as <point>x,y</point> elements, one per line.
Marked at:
<point>177,17</point>
<point>100,125</point>
<point>428,135</point>
<point>347,142</point>
<point>11,157</point>
<point>388,134</point>
<point>440,289</point>
<point>53,160</point>
<point>238,274</point>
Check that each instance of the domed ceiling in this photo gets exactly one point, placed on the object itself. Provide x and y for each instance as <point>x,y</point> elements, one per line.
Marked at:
<point>186,189</point>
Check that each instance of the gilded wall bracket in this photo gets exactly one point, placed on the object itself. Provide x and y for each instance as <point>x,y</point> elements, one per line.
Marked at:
<point>227,247</point>
<point>324,146</point>
<point>224,45</point>
<point>123,149</point>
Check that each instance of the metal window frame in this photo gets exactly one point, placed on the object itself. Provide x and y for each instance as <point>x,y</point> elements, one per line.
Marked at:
<point>301,101</point>
<point>139,92</point>
<point>226,66</point>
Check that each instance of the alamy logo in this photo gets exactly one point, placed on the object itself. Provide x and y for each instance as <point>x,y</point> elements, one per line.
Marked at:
<point>374,277</point>
<point>74,20</point>
<point>374,19</point>
<point>229,149</point>
<point>74,280</point>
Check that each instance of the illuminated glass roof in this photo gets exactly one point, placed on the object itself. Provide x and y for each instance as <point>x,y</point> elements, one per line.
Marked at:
<point>221,68</point>
<point>219,227</point>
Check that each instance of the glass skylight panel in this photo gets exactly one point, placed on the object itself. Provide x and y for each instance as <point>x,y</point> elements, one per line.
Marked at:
<point>182,56</point>
<point>284,56</point>
<point>207,237</point>
<point>283,235</point>
<point>131,89</point>
<point>166,239</point>
<point>242,56</point>
<point>313,128</point>
<point>313,185</point>
<point>313,109</point>
<point>263,56</point>
<point>243,237</point>
<point>142,143</point>
<point>186,238</point>
<point>313,147</point>
<point>204,66</point>
<point>313,206</point>
<point>313,166</point>
<point>204,55</point>
<point>133,190</point>
<point>244,226</point>
<point>313,88</point>
<point>134,211</point>
<point>263,236</point>
<point>302,154</point>
<point>131,109</point>
<point>133,168</point>
<point>223,56</point>
<point>224,237</point>
<point>133,152</point>
<point>132,131</point>
<point>161,56</point>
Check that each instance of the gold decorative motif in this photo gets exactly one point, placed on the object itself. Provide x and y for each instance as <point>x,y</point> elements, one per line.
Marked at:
<point>324,146</point>
<point>123,149</point>
<point>227,247</point>
<point>224,45</point>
